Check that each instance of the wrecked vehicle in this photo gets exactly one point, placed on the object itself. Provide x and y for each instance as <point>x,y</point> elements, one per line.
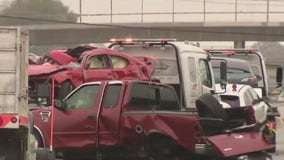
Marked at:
<point>140,119</point>
<point>93,64</point>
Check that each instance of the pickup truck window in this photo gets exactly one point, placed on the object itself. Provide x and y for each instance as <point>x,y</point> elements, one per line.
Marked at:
<point>84,97</point>
<point>112,95</point>
<point>148,97</point>
<point>119,62</point>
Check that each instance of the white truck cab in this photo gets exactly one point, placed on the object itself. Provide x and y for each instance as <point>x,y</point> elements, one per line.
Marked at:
<point>187,66</point>
<point>255,60</point>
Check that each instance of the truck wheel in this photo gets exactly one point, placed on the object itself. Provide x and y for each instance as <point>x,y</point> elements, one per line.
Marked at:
<point>208,106</point>
<point>165,148</point>
<point>45,154</point>
<point>66,88</point>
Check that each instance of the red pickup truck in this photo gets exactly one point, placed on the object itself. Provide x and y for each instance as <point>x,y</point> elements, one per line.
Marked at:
<point>130,119</point>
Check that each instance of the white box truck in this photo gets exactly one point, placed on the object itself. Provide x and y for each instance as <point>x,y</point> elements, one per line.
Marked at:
<point>16,123</point>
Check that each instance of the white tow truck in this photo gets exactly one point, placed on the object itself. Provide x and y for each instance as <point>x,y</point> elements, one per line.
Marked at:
<point>16,122</point>
<point>241,75</point>
<point>180,64</point>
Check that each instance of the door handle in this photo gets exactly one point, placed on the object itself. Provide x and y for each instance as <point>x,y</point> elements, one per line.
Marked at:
<point>91,116</point>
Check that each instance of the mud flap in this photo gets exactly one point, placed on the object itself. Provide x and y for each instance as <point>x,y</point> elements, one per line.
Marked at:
<point>241,143</point>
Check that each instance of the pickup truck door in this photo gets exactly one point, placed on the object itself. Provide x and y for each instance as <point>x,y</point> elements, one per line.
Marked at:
<point>196,77</point>
<point>75,125</point>
<point>97,68</point>
<point>109,119</point>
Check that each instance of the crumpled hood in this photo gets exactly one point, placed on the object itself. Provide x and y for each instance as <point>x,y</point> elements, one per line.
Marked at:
<point>35,70</point>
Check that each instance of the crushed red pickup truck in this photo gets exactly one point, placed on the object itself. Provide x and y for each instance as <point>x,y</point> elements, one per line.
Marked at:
<point>72,67</point>
<point>139,119</point>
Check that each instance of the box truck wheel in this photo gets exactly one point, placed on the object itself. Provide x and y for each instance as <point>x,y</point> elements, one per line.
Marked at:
<point>45,154</point>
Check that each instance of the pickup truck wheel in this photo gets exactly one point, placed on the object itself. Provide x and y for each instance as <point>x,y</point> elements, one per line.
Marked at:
<point>45,154</point>
<point>66,88</point>
<point>165,148</point>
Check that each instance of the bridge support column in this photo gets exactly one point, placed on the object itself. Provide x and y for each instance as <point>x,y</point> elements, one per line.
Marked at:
<point>239,44</point>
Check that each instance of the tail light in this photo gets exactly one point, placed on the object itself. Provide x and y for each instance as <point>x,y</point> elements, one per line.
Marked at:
<point>1,121</point>
<point>14,119</point>
<point>272,125</point>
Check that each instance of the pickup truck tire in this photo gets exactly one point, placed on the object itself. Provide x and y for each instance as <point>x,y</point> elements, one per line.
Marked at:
<point>160,147</point>
<point>66,88</point>
<point>45,154</point>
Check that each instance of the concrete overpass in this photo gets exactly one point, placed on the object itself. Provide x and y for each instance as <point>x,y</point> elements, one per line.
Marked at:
<point>193,31</point>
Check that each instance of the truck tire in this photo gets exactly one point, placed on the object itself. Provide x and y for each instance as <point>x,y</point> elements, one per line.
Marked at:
<point>160,147</point>
<point>208,106</point>
<point>45,154</point>
<point>66,88</point>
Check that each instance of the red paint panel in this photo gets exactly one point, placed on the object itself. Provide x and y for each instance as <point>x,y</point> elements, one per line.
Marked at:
<point>239,143</point>
<point>35,70</point>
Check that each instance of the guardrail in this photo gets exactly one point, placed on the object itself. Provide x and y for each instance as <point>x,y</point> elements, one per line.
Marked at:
<point>185,11</point>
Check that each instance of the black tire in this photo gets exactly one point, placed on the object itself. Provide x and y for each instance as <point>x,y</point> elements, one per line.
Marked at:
<point>165,148</point>
<point>45,154</point>
<point>66,88</point>
<point>208,106</point>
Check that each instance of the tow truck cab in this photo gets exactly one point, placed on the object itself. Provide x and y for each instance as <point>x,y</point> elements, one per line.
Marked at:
<point>255,60</point>
<point>183,65</point>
